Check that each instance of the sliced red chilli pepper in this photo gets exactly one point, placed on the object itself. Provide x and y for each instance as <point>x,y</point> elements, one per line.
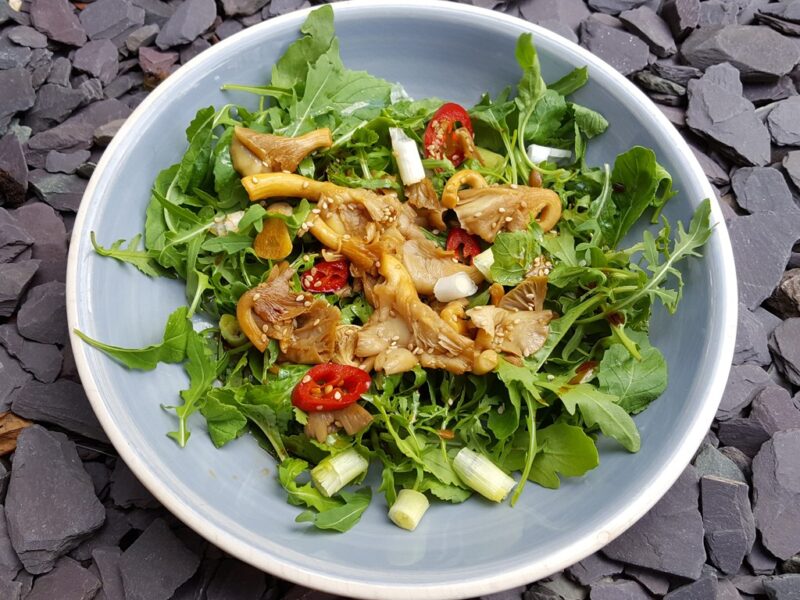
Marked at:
<point>326,276</point>
<point>464,244</point>
<point>441,139</point>
<point>330,387</point>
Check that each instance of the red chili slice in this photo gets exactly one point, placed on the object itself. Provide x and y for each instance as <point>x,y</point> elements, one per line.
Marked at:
<point>441,139</point>
<point>330,387</point>
<point>326,276</point>
<point>464,244</point>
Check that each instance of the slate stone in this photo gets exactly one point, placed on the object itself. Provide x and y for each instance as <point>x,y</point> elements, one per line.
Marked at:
<point>27,36</point>
<point>68,580</point>
<point>112,532</point>
<point>156,11</point>
<point>42,317</point>
<point>719,112</point>
<point>107,560</point>
<point>242,7</point>
<point>669,538</point>
<point>193,49</point>
<point>743,433</point>
<point>715,173</point>
<point>144,36</point>
<point>228,28</point>
<point>91,89</point>
<point>740,459</point>
<point>12,378</point>
<point>123,84</point>
<point>622,50</point>
<point>614,7</point>
<point>785,346</point>
<point>791,164</point>
<point>127,491</point>
<point>62,192</point>
<point>5,474</point>
<point>61,162</point>
<point>644,22</point>
<point>774,410</point>
<point>41,223</point>
<point>761,93</point>
<point>776,493</point>
<point>51,505</point>
<point>54,103</point>
<point>156,65</point>
<point>728,522</point>
<point>763,189</point>
<point>281,7</point>
<point>660,85</point>
<point>10,590</point>
<point>98,58</point>
<point>76,132</point>
<point>712,462</point>
<point>657,583</point>
<point>680,74</point>
<point>18,94</point>
<point>13,170</point>
<point>682,16</point>
<point>780,25</point>
<point>744,382</point>
<point>7,13</point>
<point>9,562</point>
<point>14,280</point>
<point>760,560</point>
<point>105,133</point>
<point>785,300</point>
<point>593,568</point>
<point>156,564</point>
<point>618,590</point>
<point>783,122</point>
<point>192,18</point>
<point>757,52</point>
<point>106,19</point>
<point>25,579</point>
<point>783,587</point>
<point>43,361</point>
<point>717,12</point>
<point>235,579</point>
<point>570,13</point>
<point>60,71</point>
<point>702,589</point>
<point>762,244</point>
<point>57,20</point>
<point>675,115</point>
<point>12,55</point>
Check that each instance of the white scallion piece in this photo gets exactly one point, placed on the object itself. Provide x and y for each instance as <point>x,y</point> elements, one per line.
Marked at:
<point>228,224</point>
<point>483,262</point>
<point>407,156</point>
<point>539,153</point>
<point>335,472</point>
<point>407,510</point>
<point>482,475</point>
<point>454,287</point>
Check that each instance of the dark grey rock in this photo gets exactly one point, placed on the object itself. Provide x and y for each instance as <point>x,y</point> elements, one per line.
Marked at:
<point>10,590</point>
<point>13,170</point>
<point>18,94</point>
<point>14,280</point>
<point>13,239</point>
<point>622,50</point>
<point>9,562</point>
<point>783,587</point>
<point>62,403</point>
<point>702,589</point>
<point>728,521</point>
<point>13,56</point>
<point>570,13</point>
<point>58,21</point>
<point>190,20</point>
<point>785,346</point>
<point>61,162</point>
<point>762,244</point>
<point>740,459</point>
<point>614,7</point>
<point>54,103</point>
<point>769,321</point>
<point>618,590</point>
<point>156,65</point>
<point>745,434</point>
<point>105,133</point>
<point>593,568</point>
<point>783,123</point>
<point>42,317</point>
<point>156,564</point>
<point>712,462</point>
<point>60,71</point>
<point>101,476</point>
<point>780,25</point>
<point>5,474</point>
<point>106,19</point>
<point>92,90</point>
<point>62,192</point>
<point>99,58</point>
<point>749,584</point>
<point>660,85</point>
<point>242,7</point>
<point>715,173</point>
<point>656,582</point>
<point>193,49</point>
<point>776,495</point>
<point>744,382</point>
<point>762,189</point>
<point>785,300</point>
<point>27,36</point>
<point>107,560</point>
<point>12,378</point>
<point>123,84</point>
<point>26,580</point>
<point>235,579</point>
<point>41,223</point>
<point>792,565</point>
<point>644,22</point>
<point>761,93</point>
<point>67,580</point>
<point>719,112</point>
<point>156,11</point>
<point>791,164</point>
<point>228,28</point>
<point>680,74</point>
<point>77,131</point>
<point>717,12</point>
<point>682,16</point>
<point>9,14</point>
<point>676,524</point>
<point>40,65</point>
<point>114,528</point>
<point>144,36</point>
<point>43,361</point>
<point>51,505</point>
<point>127,491</point>
<point>281,7</point>
<point>774,410</point>
<point>760,560</point>
<point>757,52</point>
<point>675,115</point>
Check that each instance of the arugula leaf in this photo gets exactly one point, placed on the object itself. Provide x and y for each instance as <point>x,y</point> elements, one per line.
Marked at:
<point>589,122</point>
<point>636,382</point>
<point>601,410</point>
<point>359,309</point>
<point>436,462</point>
<point>194,164</point>
<point>340,518</point>
<point>141,259</point>
<point>302,495</point>
<point>447,493</point>
<point>514,253</point>
<point>545,121</point>
<point>531,86</point>
<point>171,349</point>
<point>563,449</point>
<point>571,82</point>
<point>224,421</point>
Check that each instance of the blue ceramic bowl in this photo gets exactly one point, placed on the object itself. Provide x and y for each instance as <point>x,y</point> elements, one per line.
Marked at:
<point>231,496</point>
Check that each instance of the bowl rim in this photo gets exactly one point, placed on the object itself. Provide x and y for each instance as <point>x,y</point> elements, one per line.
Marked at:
<point>609,529</point>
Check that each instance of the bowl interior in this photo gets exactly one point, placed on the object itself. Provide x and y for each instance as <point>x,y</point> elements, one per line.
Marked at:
<point>231,495</point>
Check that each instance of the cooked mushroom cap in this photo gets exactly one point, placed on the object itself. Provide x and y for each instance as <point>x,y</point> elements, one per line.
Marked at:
<point>275,152</point>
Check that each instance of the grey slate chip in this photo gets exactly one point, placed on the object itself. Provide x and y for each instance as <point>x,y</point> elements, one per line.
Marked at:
<point>645,23</point>
<point>192,18</point>
<point>242,7</point>
<point>235,579</point>
<point>144,36</point>
<point>656,582</point>
<point>791,164</point>
<point>107,559</point>
<point>622,50</point>
<point>68,580</point>
<point>43,361</point>
<point>99,58</point>
<point>60,71</point>
<point>785,346</point>
<point>106,19</point>
<point>58,21</point>
<point>512,594</point>
<point>193,49</point>
<point>660,85</point>
<point>156,11</point>
<point>62,192</point>
<point>740,459</point>
<point>155,63</point>
<point>281,7</point>
<point>712,462</point>
<point>763,189</point>
<point>744,382</point>
<point>594,567</point>
<point>760,560</point>
<point>27,36</point>
<point>783,122</point>
<point>757,52</point>
<point>785,300</point>
<point>40,64</point>
<point>156,564</point>
<point>103,135</point>
<point>228,28</point>
<point>9,562</point>
<point>570,13</point>
<point>745,434</point>
<point>717,12</point>
<point>114,528</point>
<point>761,93</point>
<point>14,280</point>
<point>728,522</point>
<point>42,317</point>
<point>41,222</point>
<point>12,56</point>
<point>676,524</point>
<point>10,590</point>
<point>680,74</point>
<point>776,495</point>
<point>61,403</point>
<point>66,162</point>
<point>92,90</point>
<point>123,84</point>
<point>127,491</point>
<point>774,410</point>
<point>762,244</point>
<point>50,505</point>
<point>704,588</point>
<point>54,103</point>
<point>783,587</point>
<point>18,93</point>
<point>675,115</point>
<point>682,16</point>
<point>76,132</point>
<point>5,474</point>
<point>13,170</point>
<point>614,7</point>
<point>12,378</point>
<point>618,590</point>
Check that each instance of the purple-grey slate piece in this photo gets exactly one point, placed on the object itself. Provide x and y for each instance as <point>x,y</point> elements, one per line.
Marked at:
<point>704,588</point>
<point>751,340</point>
<point>156,11</point>
<point>42,317</point>
<point>100,474</point>
<point>14,280</point>
<point>196,47</point>
<point>763,189</point>
<point>785,346</point>
<point>40,64</point>
<point>281,7</point>
<point>54,103</point>
<point>622,50</point>
<point>9,14</point>
<point>681,74</point>
<point>123,84</point>
<point>765,92</point>
<point>106,19</point>
<point>12,378</point>
<point>654,83</point>
<point>5,474</point>
<point>107,559</point>
<point>103,135</point>
<point>594,567</point>
<point>512,594</point>
<point>235,579</point>
<point>13,170</point>
<point>68,580</point>
<point>9,562</point>
<point>242,7</point>
<point>782,587</point>
<point>58,21</point>
<point>99,58</point>
<point>18,94</point>
<point>571,13</point>
<point>127,491</point>
<point>27,36</point>
<point>156,63</point>
<point>91,88</point>
<point>760,560</point>
<point>51,506</point>
<point>228,28</point>
<point>743,433</point>
<point>774,410</point>
<point>676,524</point>
<point>143,36</point>
<point>12,55</point>
<point>614,7</point>
<point>783,122</point>
<point>43,224</point>
<point>191,18</point>
<point>717,12</point>
<point>785,300</point>
<point>776,495</point>
<point>618,590</point>
<point>744,382</point>
<point>61,191</point>
<point>43,361</point>
<point>10,590</point>
<point>65,162</point>
<point>114,528</point>
<point>62,403</point>
<point>715,173</point>
<point>76,132</point>
<point>675,115</point>
<point>728,522</point>
<point>645,23</point>
<point>156,564</point>
<point>657,583</point>
<point>559,584</point>
<point>712,462</point>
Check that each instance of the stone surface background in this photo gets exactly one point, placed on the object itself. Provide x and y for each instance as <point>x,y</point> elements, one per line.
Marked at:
<point>76,524</point>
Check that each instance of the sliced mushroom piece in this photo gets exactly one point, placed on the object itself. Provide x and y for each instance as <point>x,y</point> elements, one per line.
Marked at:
<point>352,419</point>
<point>312,339</point>
<point>423,198</point>
<point>273,242</point>
<point>528,295</point>
<point>518,333</point>
<point>468,177</point>
<point>426,262</point>
<point>346,340</point>
<point>280,153</point>
<point>244,161</point>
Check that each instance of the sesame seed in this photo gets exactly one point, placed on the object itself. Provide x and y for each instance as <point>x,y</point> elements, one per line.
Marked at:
<point>509,219</point>
<point>315,211</point>
<point>305,185</point>
<point>299,298</point>
<point>502,209</point>
<point>337,395</point>
<point>318,283</point>
<point>307,303</point>
<point>256,297</point>
<point>265,327</point>
<point>315,323</point>
<point>263,337</point>
<point>550,377</point>
<point>306,379</point>
<point>255,179</point>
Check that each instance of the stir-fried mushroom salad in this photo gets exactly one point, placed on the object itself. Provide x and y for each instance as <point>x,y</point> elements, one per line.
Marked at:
<point>451,295</point>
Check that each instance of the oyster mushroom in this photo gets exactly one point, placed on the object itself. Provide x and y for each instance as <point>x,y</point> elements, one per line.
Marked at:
<point>519,333</point>
<point>426,262</point>
<point>273,152</point>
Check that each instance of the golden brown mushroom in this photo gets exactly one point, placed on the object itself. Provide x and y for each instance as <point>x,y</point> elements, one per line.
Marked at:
<point>518,333</point>
<point>274,152</point>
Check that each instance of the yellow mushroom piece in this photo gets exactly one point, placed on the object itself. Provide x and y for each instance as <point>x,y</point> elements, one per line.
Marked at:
<point>288,185</point>
<point>273,242</point>
<point>282,153</point>
<point>466,177</point>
